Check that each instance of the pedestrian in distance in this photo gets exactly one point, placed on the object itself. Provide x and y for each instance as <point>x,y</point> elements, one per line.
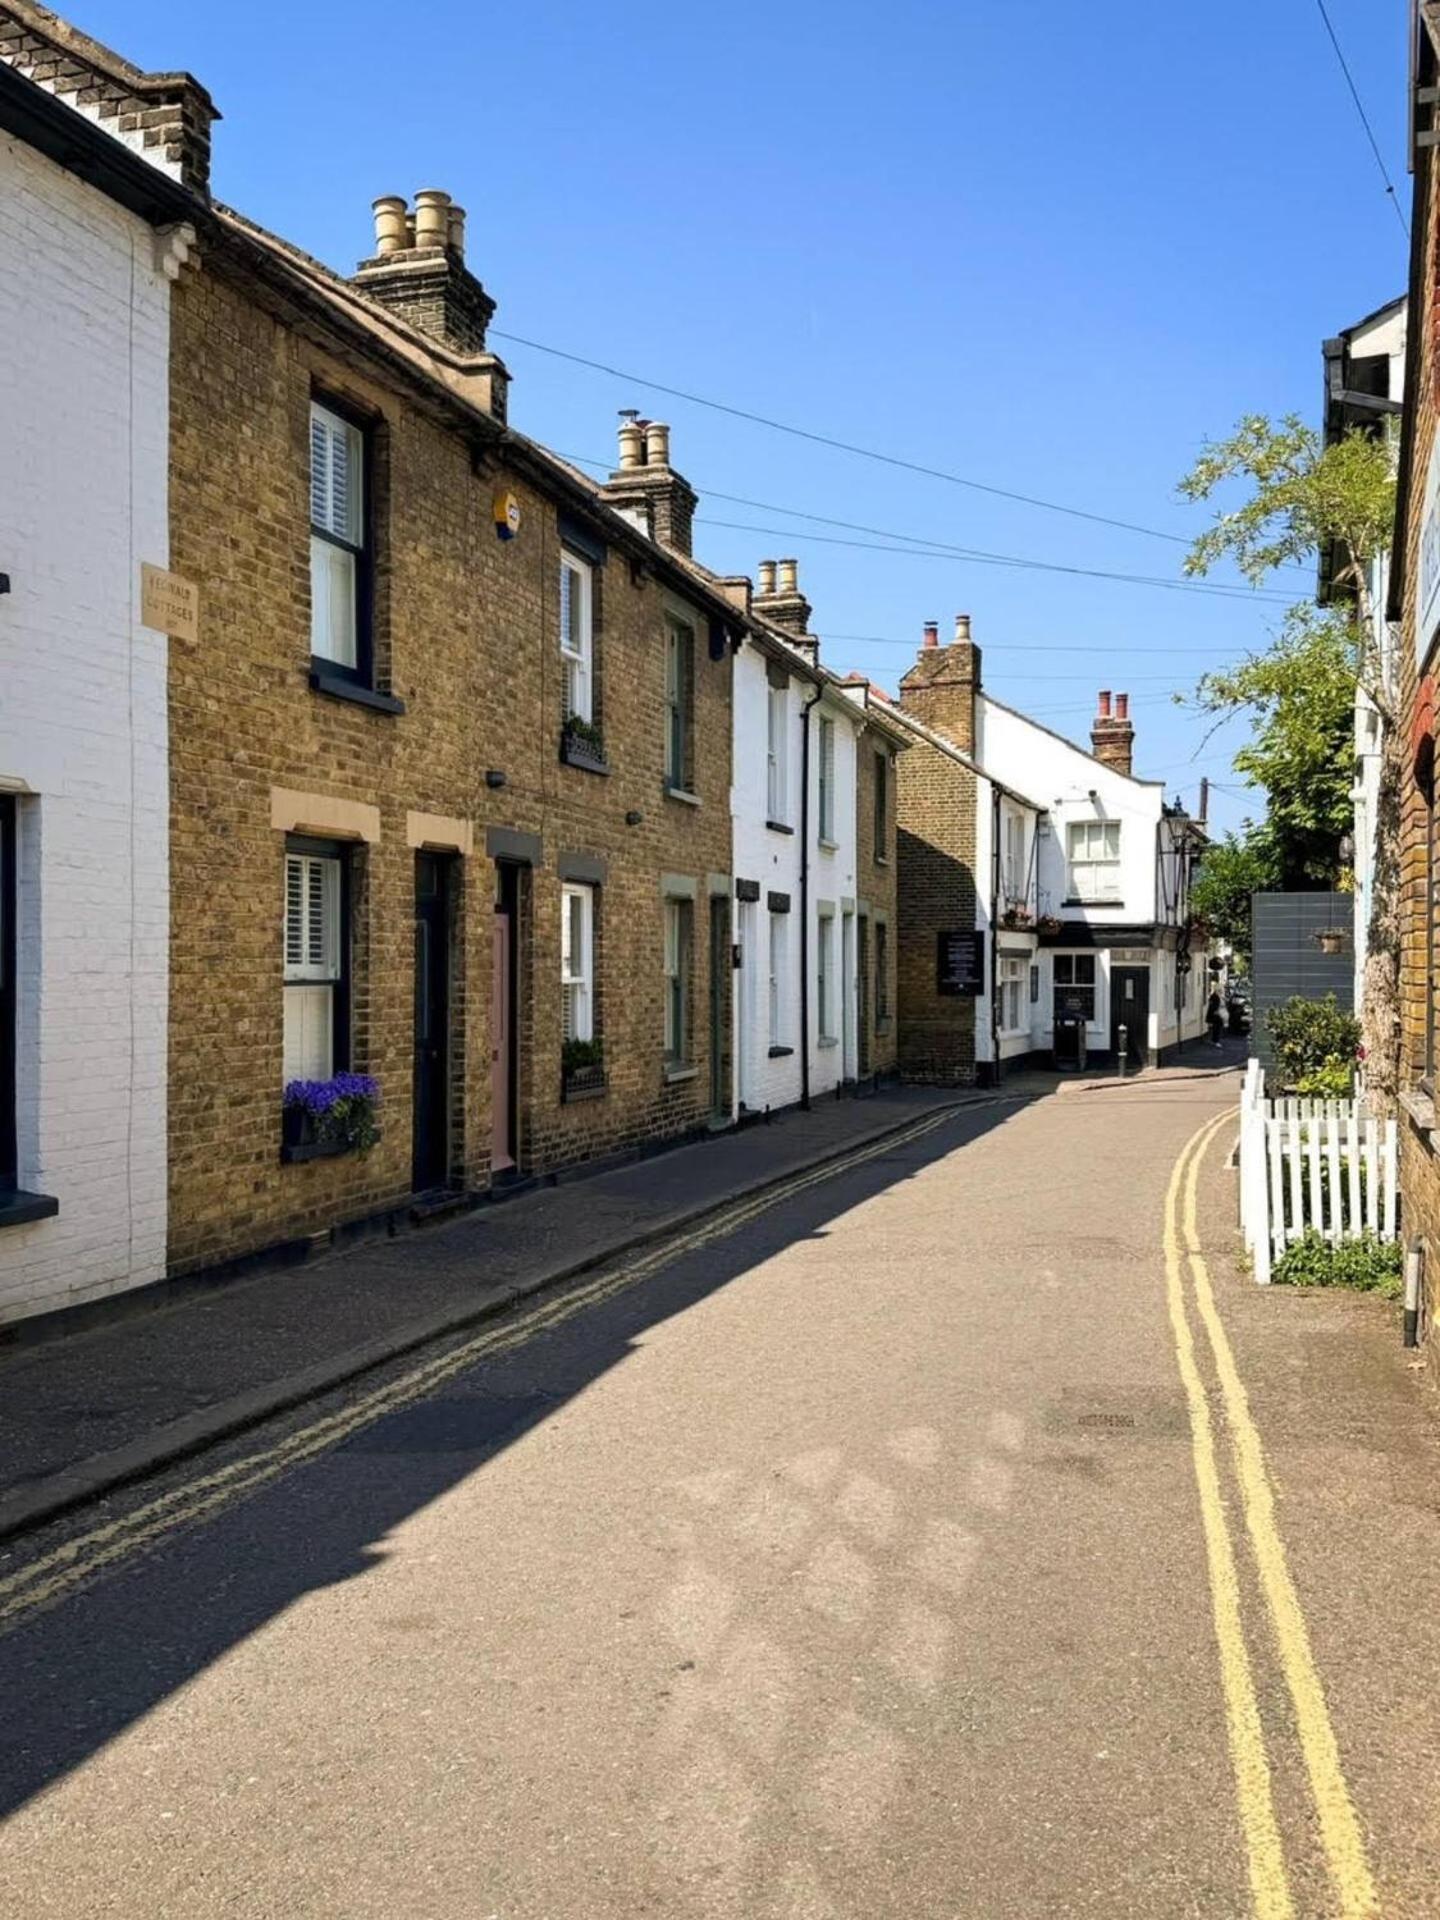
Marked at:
<point>1215,1018</point>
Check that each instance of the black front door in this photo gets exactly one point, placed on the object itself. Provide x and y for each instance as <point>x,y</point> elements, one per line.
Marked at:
<point>1130,1009</point>
<point>721,966</point>
<point>432,1021</point>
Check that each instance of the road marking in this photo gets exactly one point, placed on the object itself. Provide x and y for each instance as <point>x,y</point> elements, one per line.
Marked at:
<point>1265,1859</point>
<point>68,1566</point>
<point>1340,1832</point>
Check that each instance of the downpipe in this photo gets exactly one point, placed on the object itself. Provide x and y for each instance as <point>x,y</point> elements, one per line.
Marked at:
<point>814,700</point>
<point>1414,1268</point>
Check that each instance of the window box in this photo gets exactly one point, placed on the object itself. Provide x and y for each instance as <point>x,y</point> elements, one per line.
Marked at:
<point>327,1117</point>
<point>582,1070</point>
<point>1017,919</point>
<point>1049,923</point>
<point>581,746</point>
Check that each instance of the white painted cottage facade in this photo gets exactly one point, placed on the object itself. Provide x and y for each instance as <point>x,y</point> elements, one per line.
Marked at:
<point>85,269</point>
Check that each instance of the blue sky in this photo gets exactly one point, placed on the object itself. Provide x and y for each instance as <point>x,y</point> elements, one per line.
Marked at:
<point>1045,248</point>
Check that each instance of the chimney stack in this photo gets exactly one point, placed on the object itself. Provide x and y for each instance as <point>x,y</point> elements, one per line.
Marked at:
<point>418,273</point>
<point>780,601</point>
<point>646,488</point>
<point>1112,736</point>
<point>941,688</point>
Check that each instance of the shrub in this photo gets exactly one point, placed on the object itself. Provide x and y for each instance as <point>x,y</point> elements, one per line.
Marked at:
<point>1333,1079</point>
<point>1367,1265</point>
<point>1305,1034</point>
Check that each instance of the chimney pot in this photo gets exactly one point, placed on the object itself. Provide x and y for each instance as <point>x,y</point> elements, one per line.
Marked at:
<point>1122,706</point>
<point>657,444</point>
<point>962,629</point>
<point>632,441</point>
<point>789,576</point>
<point>392,229</point>
<point>1105,705</point>
<point>932,634</point>
<point>765,573</point>
<point>456,229</point>
<point>432,217</point>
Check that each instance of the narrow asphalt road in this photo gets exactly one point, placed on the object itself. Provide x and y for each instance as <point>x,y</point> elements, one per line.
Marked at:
<point>903,1550</point>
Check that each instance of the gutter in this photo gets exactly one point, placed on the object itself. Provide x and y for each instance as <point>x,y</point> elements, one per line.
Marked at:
<point>814,700</point>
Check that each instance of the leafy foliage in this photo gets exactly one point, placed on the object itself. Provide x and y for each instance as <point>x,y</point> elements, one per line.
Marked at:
<point>1306,1034</point>
<point>1230,871</point>
<point>1333,1079</point>
<point>575,1054</point>
<point>1367,1265</point>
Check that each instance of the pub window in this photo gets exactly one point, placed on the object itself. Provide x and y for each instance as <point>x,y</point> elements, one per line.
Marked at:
<point>1075,984</point>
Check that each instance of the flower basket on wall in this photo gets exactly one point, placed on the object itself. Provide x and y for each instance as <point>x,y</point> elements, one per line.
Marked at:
<point>582,745</point>
<point>1017,919</point>
<point>1050,923</point>
<point>582,1070</point>
<point>327,1117</point>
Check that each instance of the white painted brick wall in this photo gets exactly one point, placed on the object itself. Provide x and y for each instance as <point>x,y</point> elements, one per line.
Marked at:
<point>84,426</point>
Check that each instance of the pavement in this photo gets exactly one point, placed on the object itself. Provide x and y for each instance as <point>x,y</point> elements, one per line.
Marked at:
<point>960,1534</point>
<point>110,1404</point>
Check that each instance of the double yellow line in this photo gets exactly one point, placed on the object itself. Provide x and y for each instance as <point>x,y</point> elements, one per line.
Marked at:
<point>52,1575</point>
<point>1339,1826</point>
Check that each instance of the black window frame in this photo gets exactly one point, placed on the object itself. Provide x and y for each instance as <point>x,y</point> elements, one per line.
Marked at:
<point>342,851</point>
<point>9,952</point>
<point>680,717</point>
<point>329,675</point>
<point>882,808</point>
<point>882,973</point>
<point>1074,984</point>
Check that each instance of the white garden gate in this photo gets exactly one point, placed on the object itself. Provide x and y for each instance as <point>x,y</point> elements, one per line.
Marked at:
<point>1324,1164</point>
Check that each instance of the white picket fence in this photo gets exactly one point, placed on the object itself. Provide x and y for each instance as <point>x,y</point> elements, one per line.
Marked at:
<point>1311,1163</point>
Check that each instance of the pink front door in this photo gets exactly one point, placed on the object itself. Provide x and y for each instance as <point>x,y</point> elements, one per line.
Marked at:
<point>502,1148</point>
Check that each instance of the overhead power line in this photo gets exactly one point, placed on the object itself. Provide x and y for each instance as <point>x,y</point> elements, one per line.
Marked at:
<point>1364,118</point>
<point>840,446</point>
<point>1002,648</point>
<point>929,552</point>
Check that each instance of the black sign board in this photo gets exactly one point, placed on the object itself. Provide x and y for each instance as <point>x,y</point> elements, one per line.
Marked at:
<point>960,964</point>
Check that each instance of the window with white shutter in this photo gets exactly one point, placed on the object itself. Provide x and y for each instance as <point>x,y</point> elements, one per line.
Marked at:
<point>577,962</point>
<point>678,924</point>
<point>577,635</point>
<point>776,724</point>
<point>827,779</point>
<point>315,964</point>
<point>337,541</point>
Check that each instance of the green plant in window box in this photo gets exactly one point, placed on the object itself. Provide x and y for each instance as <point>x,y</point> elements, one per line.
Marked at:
<point>576,1055</point>
<point>586,734</point>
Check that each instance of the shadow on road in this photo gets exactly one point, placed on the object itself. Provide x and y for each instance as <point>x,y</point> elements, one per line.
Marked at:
<point>76,1676</point>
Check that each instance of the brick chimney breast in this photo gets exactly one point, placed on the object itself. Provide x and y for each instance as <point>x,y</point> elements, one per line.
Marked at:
<point>941,688</point>
<point>418,273</point>
<point>645,486</point>
<point>1112,733</point>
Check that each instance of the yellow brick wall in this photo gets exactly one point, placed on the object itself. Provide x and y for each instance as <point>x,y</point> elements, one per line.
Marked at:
<point>466,635</point>
<point>875,883</point>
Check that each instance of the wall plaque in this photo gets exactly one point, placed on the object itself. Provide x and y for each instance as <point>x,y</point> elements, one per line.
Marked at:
<point>169,604</point>
<point>960,963</point>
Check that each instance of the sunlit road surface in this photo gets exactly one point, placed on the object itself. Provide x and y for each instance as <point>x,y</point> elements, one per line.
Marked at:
<point>954,1537</point>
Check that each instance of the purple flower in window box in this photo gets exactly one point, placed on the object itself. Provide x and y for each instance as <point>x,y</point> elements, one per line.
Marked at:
<point>332,1116</point>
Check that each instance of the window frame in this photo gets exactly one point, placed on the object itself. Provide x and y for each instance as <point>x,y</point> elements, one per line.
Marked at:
<point>777,747</point>
<point>882,972</point>
<point>1105,863</point>
<point>9,994</point>
<point>340,980</point>
<point>825,782</point>
<point>1070,978</point>
<point>578,661</point>
<point>881,820</point>
<point>777,935</point>
<point>679,951</point>
<point>1012,982</point>
<point>581,978</point>
<point>362,673</point>
<point>825,978</point>
<point>679,703</point>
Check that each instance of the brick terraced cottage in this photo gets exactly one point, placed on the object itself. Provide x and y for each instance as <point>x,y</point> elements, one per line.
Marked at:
<point>97,162</point>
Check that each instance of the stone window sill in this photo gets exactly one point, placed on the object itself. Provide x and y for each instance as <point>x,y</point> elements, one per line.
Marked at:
<point>329,680</point>
<point>677,1072</point>
<point>569,1094</point>
<point>781,1053</point>
<point>292,1152</point>
<point>828,846</point>
<point>683,795</point>
<point>882,859</point>
<point>828,1040</point>
<point>1420,1110</point>
<point>17,1207</point>
<point>778,826</point>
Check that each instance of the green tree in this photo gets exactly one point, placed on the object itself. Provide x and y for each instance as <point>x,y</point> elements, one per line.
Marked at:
<point>1229,872</point>
<point>1300,496</point>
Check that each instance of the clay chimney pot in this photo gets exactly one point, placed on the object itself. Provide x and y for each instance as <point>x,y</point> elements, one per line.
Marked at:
<point>657,444</point>
<point>932,634</point>
<point>632,442</point>
<point>789,576</point>
<point>1122,706</point>
<point>962,629</point>
<point>392,229</point>
<point>456,229</point>
<point>1105,705</point>
<point>765,573</point>
<point>432,217</point>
